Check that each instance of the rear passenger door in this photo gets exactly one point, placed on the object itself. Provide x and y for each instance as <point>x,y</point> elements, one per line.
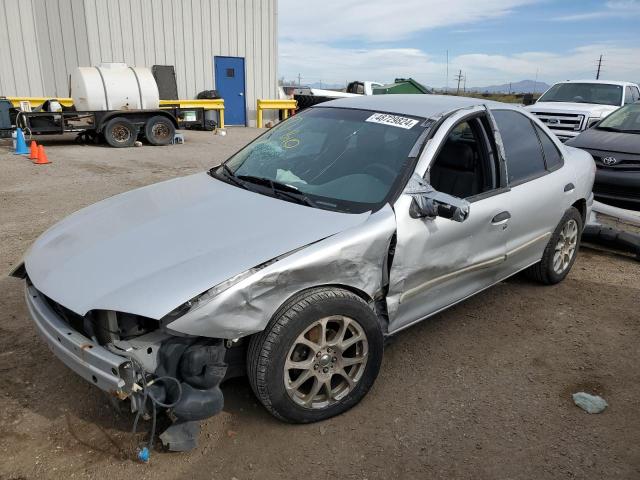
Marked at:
<point>538,187</point>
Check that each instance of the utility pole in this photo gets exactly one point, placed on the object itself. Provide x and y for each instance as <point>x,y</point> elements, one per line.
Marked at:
<point>464,84</point>
<point>446,88</point>
<point>459,78</point>
<point>599,67</point>
<point>535,84</point>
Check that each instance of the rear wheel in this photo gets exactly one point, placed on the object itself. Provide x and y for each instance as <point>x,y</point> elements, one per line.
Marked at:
<point>159,130</point>
<point>561,251</point>
<point>318,356</point>
<point>120,132</point>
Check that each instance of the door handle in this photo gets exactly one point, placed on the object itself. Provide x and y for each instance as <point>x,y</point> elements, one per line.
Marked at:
<point>501,218</point>
<point>569,187</point>
<point>241,94</point>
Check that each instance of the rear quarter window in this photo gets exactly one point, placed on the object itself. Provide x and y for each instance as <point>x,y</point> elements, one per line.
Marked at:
<point>552,155</point>
<point>522,147</point>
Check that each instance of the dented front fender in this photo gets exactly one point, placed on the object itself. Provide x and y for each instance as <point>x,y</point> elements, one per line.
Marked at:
<point>354,258</point>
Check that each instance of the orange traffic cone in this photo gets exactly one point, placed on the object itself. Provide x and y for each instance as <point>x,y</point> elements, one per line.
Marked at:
<point>42,156</point>
<point>33,154</point>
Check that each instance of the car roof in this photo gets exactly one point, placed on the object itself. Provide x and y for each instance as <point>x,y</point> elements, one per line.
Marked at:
<point>426,105</point>
<point>608,82</point>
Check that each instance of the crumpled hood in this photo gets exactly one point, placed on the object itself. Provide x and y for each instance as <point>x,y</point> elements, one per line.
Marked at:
<point>588,109</point>
<point>149,250</point>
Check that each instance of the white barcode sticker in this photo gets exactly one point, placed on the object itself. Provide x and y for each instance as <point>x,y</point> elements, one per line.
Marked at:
<point>392,120</point>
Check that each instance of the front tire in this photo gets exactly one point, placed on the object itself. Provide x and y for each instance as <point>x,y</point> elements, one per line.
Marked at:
<point>318,356</point>
<point>561,251</point>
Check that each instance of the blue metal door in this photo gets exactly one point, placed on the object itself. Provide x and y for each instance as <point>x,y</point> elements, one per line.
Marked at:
<point>229,74</point>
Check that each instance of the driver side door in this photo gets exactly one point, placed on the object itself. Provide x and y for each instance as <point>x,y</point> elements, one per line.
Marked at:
<point>437,261</point>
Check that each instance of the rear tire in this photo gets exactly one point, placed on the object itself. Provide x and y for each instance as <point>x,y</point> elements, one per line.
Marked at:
<point>561,251</point>
<point>335,339</point>
<point>159,131</point>
<point>120,132</point>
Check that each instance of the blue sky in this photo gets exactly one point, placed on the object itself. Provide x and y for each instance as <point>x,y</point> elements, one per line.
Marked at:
<point>492,41</point>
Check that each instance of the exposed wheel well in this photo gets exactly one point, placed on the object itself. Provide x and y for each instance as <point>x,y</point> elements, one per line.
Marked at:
<point>581,206</point>
<point>380,312</point>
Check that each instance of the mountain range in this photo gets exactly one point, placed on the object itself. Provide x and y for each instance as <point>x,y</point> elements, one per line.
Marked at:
<point>523,86</point>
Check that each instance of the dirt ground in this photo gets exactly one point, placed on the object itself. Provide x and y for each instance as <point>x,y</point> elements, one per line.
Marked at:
<point>481,391</point>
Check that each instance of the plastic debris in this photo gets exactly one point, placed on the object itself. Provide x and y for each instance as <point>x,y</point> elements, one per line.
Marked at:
<point>143,455</point>
<point>589,403</point>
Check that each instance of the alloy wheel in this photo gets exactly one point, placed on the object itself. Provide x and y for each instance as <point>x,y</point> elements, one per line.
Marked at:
<point>565,247</point>
<point>325,362</point>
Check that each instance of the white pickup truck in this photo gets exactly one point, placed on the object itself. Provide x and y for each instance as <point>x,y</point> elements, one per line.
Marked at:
<point>353,90</point>
<point>307,96</point>
<point>570,107</point>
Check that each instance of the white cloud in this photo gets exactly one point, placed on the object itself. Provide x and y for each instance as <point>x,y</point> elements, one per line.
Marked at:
<point>318,61</point>
<point>381,20</point>
<point>312,35</point>
<point>612,9</point>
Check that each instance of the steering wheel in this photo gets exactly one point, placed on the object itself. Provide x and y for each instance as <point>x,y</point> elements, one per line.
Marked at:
<point>382,172</point>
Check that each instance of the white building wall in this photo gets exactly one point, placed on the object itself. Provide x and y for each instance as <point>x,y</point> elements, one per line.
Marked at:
<point>48,39</point>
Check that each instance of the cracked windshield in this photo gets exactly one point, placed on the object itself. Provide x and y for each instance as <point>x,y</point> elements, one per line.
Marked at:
<point>332,158</point>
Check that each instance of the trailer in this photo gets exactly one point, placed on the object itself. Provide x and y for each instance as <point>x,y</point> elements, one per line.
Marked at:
<point>118,128</point>
<point>115,103</point>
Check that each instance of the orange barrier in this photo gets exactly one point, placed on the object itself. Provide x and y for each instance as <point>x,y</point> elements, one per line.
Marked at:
<point>42,156</point>
<point>33,154</point>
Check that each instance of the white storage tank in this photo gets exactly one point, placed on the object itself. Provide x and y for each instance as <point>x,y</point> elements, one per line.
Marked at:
<point>114,86</point>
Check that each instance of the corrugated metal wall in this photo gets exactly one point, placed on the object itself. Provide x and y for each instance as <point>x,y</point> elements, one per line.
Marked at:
<point>43,41</point>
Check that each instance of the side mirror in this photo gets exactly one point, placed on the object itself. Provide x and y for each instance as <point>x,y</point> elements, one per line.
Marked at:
<point>436,204</point>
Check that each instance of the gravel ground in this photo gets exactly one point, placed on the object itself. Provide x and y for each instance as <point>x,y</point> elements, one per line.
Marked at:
<point>481,391</point>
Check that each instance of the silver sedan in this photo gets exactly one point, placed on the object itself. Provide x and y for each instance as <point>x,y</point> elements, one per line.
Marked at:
<point>293,260</point>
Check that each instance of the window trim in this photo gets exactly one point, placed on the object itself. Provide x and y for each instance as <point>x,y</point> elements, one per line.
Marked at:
<point>539,131</point>
<point>534,176</point>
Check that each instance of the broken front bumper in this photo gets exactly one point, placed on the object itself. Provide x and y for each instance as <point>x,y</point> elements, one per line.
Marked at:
<point>94,363</point>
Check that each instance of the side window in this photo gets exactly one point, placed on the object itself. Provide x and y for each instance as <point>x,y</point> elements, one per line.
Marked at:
<point>552,155</point>
<point>636,93</point>
<point>628,96</point>
<point>462,167</point>
<point>521,145</point>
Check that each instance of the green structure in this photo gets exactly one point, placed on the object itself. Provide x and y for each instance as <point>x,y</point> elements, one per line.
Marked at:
<point>401,85</point>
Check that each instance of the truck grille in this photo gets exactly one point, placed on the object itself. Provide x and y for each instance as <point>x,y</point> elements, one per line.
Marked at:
<point>567,122</point>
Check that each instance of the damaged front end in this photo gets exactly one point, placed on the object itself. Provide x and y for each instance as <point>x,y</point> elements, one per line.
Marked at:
<point>131,358</point>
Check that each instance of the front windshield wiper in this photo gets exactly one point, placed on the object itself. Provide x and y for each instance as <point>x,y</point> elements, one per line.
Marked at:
<point>228,174</point>
<point>280,189</point>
